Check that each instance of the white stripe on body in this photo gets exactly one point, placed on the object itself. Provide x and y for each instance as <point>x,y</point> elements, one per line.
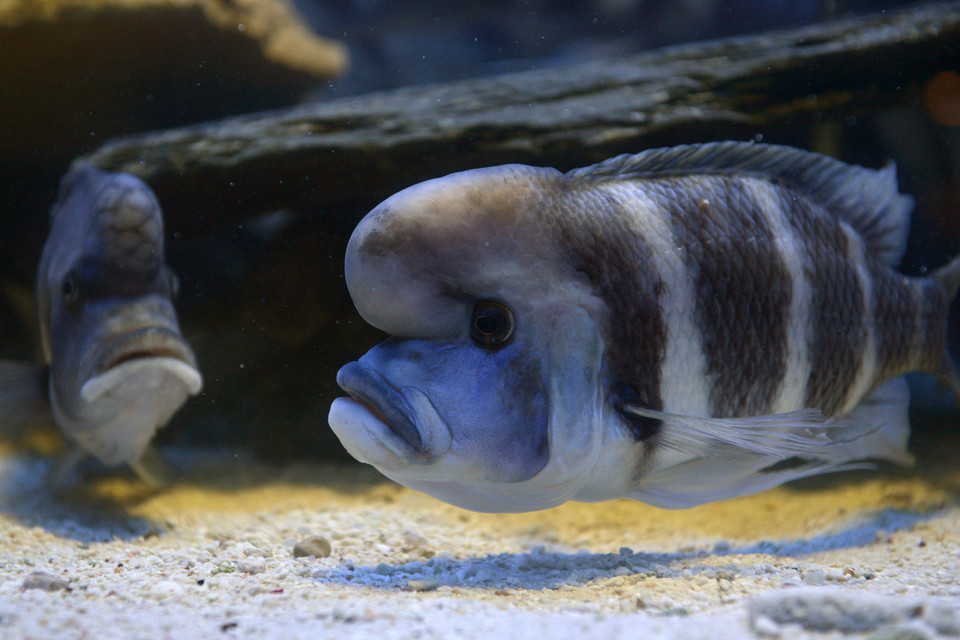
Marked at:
<point>684,387</point>
<point>867,370</point>
<point>791,394</point>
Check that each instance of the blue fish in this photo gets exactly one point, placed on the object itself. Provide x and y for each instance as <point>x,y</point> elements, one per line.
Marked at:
<point>670,326</point>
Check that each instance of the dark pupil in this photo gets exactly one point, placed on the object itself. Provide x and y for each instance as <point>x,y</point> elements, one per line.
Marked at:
<point>492,323</point>
<point>488,323</point>
<point>67,288</point>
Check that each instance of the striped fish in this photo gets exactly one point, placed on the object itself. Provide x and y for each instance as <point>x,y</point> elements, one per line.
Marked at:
<point>669,326</point>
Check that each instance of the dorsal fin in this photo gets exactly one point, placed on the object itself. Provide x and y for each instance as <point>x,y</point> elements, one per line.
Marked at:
<point>867,199</point>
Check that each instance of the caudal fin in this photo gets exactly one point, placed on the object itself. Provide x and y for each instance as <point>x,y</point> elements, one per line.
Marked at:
<point>949,277</point>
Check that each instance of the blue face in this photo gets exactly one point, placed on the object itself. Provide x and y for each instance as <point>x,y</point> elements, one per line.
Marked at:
<point>487,395</point>
<point>493,400</point>
<point>485,424</point>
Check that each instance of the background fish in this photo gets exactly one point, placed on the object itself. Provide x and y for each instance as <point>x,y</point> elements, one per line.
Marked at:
<point>118,367</point>
<point>667,326</point>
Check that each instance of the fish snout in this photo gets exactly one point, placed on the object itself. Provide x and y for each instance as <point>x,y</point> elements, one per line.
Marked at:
<point>386,404</point>
<point>159,347</point>
<point>148,342</point>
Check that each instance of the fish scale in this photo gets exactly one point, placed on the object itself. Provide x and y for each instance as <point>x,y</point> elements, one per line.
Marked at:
<point>617,262</point>
<point>698,315</point>
<point>894,319</point>
<point>929,347</point>
<point>836,303</point>
<point>738,291</point>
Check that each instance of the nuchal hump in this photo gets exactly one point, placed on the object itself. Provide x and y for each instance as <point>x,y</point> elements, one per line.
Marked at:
<point>128,228</point>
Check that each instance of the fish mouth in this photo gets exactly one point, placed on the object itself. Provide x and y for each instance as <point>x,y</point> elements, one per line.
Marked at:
<point>150,347</point>
<point>385,403</point>
<point>149,342</point>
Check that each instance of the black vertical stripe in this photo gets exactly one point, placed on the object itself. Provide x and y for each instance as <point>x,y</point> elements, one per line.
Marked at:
<point>620,266</point>
<point>837,306</point>
<point>743,288</point>
<point>894,319</point>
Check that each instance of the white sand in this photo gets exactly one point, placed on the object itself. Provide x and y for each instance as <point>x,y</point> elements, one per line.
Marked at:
<point>212,557</point>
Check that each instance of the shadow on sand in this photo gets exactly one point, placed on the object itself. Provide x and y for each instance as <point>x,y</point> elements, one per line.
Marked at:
<point>27,494</point>
<point>541,569</point>
<point>82,512</point>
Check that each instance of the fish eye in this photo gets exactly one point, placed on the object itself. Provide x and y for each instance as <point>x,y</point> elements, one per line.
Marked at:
<point>492,323</point>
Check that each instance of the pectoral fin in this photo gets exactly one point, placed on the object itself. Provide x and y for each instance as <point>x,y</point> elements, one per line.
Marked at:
<point>153,469</point>
<point>732,457</point>
<point>878,427</point>
<point>782,435</point>
<point>24,399</point>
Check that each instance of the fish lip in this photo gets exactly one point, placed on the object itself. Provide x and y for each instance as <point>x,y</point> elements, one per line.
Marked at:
<point>153,346</point>
<point>148,342</point>
<point>368,388</point>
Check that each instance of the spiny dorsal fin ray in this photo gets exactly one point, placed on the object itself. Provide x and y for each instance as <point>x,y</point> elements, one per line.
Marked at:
<point>867,199</point>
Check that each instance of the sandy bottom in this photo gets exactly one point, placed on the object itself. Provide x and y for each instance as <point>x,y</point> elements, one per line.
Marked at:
<point>875,554</point>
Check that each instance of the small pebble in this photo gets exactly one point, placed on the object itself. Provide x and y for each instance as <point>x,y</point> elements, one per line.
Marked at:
<point>306,571</point>
<point>45,581</point>
<point>316,546</point>
<point>834,574</point>
<point>426,584</point>
<point>815,578</point>
<point>412,540</point>
<point>164,588</point>
<point>252,565</point>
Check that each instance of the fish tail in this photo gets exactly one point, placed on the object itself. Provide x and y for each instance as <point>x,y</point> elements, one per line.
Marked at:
<point>947,278</point>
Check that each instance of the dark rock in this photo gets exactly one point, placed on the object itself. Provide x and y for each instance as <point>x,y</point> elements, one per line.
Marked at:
<point>338,158</point>
<point>166,64</point>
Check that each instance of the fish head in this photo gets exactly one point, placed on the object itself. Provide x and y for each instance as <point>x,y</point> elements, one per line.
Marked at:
<point>119,367</point>
<point>487,392</point>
